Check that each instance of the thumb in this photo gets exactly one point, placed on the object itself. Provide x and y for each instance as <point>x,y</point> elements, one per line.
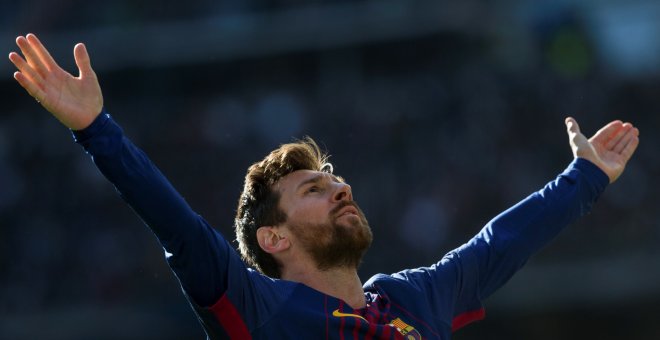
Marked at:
<point>82,60</point>
<point>572,127</point>
<point>580,145</point>
<point>573,130</point>
<point>576,139</point>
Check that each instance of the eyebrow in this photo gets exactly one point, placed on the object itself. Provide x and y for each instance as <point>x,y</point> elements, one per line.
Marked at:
<point>319,177</point>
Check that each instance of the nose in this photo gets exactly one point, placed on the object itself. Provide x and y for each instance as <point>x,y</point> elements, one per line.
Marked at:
<point>342,193</point>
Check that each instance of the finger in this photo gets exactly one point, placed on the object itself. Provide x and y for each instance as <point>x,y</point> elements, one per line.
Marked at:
<point>31,55</point>
<point>43,53</point>
<point>82,60</point>
<point>32,88</point>
<point>25,68</point>
<point>623,137</point>
<point>606,133</point>
<point>616,138</point>
<point>631,146</point>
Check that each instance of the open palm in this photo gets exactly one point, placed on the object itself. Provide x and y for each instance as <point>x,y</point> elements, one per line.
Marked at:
<point>610,148</point>
<point>74,101</point>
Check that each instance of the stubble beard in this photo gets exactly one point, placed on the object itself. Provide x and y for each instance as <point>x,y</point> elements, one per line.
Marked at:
<point>336,244</point>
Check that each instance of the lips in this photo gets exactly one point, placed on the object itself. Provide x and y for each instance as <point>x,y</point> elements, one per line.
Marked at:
<point>348,210</point>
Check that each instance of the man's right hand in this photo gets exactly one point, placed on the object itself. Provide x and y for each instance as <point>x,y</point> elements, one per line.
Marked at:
<point>74,101</point>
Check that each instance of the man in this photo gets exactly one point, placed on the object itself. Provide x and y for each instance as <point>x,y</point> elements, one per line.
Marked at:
<point>298,225</point>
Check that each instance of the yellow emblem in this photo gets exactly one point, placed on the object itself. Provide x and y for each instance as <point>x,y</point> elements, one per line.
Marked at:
<point>339,314</point>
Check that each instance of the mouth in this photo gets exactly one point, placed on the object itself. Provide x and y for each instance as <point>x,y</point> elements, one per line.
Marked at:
<point>348,210</point>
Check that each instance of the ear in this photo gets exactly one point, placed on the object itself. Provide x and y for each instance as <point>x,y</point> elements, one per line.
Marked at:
<point>271,240</point>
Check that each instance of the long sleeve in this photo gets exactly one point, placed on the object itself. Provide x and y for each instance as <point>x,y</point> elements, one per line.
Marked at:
<point>506,242</point>
<point>229,298</point>
<point>457,284</point>
<point>198,255</point>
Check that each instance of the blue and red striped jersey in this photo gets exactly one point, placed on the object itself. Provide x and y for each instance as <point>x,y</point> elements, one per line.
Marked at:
<point>234,301</point>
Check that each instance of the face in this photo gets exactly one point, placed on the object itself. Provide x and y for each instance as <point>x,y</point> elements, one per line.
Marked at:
<point>324,219</point>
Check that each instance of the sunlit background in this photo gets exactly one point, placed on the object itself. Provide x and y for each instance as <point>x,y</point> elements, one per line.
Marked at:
<point>440,114</point>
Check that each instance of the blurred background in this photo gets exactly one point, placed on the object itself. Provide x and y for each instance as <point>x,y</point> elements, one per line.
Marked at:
<point>440,114</point>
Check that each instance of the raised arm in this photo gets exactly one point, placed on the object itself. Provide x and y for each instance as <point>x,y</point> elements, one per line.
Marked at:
<point>508,240</point>
<point>482,265</point>
<point>74,101</point>
<point>200,257</point>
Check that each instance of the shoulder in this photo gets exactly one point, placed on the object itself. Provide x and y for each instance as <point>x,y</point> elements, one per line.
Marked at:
<point>417,279</point>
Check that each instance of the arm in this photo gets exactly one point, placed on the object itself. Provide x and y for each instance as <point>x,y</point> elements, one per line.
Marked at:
<point>475,270</point>
<point>199,256</point>
<point>504,245</point>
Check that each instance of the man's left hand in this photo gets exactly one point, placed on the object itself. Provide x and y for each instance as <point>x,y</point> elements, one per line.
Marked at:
<point>609,149</point>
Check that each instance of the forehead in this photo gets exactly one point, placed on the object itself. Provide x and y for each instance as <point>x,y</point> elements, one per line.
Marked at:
<point>299,177</point>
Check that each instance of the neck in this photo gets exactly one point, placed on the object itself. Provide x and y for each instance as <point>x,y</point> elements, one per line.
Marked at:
<point>342,283</point>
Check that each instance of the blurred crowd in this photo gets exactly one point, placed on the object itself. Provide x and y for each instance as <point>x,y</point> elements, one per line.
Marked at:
<point>436,133</point>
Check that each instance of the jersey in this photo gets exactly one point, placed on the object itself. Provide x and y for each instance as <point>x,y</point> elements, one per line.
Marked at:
<point>237,302</point>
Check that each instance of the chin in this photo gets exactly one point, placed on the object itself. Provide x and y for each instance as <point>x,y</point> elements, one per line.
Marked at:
<point>351,221</point>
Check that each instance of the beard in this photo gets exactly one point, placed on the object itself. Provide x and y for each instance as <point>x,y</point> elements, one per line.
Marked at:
<point>334,244</point>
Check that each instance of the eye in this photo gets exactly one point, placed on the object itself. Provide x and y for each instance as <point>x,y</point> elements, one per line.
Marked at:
<point>313,189</point>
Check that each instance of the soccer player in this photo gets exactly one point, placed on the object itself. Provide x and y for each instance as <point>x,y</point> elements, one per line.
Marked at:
<point>300,229</point>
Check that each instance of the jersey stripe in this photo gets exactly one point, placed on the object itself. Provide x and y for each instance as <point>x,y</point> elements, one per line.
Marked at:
<point>356,328</point>
<point>466,318</point>
<point>230,320</point>
<point>342,322</point>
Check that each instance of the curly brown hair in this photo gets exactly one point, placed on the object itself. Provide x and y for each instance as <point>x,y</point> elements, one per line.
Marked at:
<point>258,204</point>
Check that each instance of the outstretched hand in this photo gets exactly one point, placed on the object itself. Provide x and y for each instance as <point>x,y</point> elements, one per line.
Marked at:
<point>609,149</point>
<point>74,101</point>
